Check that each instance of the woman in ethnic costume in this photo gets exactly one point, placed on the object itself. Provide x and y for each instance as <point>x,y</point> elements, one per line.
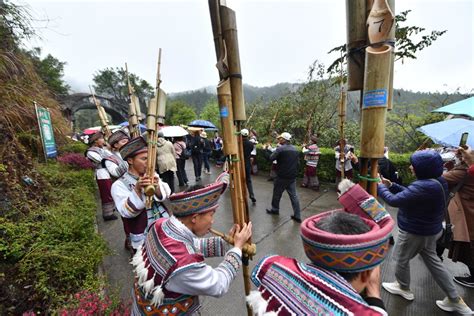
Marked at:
<point>170,268</point>
<point>345,247</point>
<point>96,154</point>
<point>311,156</point>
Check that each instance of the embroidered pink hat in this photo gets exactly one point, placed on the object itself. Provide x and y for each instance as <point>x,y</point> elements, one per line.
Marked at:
<point>199,201</point>
<point>350,253</point>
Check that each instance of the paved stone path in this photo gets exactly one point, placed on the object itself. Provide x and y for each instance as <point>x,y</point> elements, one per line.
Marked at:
<point>279,235</point>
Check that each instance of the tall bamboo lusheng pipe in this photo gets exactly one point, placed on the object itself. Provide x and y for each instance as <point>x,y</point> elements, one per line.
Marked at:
<point>342,120</point>
<point>104,120</point>
<point>133,106</point>
<point>376,89</point>
<point>356,40</point>
<point>152,137</point>
<point>229,33</point>
<point>232,113</point>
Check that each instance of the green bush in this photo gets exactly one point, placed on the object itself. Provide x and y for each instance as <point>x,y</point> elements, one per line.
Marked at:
<point>326,165</point>
<point>73,147</point>
<point>55,250</point>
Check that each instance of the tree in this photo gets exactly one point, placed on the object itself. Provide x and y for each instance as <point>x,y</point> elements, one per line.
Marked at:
<point>50,70</point>
<point>405,44</point>
<point>210,113</point>
<point>179,112</point>
<point>112,83</point>
<point>401,133</point>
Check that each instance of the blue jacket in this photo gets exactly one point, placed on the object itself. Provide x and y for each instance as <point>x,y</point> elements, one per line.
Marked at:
<point>421,204</point>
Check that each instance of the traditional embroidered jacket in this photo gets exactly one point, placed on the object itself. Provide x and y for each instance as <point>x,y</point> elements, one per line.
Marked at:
<point>289,287</point>
<point>131,206</point>
<point>96,155</point>
<point>115,165</point>
<point>171,273</point>
<point>311,155</point>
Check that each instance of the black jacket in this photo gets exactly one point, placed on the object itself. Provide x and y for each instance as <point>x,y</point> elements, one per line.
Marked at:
<point>287,158</point>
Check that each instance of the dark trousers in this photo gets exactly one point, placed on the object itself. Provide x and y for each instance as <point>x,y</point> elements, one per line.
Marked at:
<point>205,158</point>
<point>248,180</point>
<point>168,177</point>
<point>197,162</point>
<point>181,173</point>
<point>279,186</point>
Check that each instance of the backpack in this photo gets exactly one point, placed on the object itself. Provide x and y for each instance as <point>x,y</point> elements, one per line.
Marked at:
<point>185,152</point>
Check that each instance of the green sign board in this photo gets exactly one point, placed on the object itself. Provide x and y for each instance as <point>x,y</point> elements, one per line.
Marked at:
<point>46,131</point>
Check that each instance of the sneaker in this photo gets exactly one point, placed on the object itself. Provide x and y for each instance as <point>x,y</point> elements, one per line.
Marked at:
<point>467,281</point>
<point>449,305</point>
<point>272,212</point>
<point>296,219</point>
<point>395,288</point>
<point>254,200</point>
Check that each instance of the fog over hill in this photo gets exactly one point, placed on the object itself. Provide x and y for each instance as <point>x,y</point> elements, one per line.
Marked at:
<point>200,97</point>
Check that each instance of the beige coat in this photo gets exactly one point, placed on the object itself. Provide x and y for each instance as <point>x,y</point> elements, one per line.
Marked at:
<point>461,207</point>
<point>165,156</point>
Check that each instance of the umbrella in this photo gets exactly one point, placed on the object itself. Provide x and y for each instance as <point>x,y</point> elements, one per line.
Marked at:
<point>448,133</point>
<point>142,127</point>
<point>463,107</point>
<point>92,130</point>
<point>202,123</point>
<point>173,131</point>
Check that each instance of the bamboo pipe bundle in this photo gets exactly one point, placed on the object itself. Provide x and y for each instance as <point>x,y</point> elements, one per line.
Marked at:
<point>227,118</point>
<point>132,109</point>
<point>229,33</point>
<point>375,99</point>
<point>356,39</point>
<point>161,109</point>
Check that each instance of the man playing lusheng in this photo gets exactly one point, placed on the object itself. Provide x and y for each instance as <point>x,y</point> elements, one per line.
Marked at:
<point>345,250</point>
<point>170,268</point>
<point>128,194</point>
<point>96,154</point>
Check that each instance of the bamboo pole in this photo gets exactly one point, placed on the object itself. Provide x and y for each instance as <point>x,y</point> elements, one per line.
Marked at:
<point>227,118</point>
<point>104,120</point>
<point>229,33</point>
<point>152,137</point>
<point>232,114</point>
<point>356,40</point>
<point>375,101</point>
<point>132,109</point>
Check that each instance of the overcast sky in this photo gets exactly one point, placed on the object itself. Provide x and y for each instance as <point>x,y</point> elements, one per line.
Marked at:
<point>278,40</point>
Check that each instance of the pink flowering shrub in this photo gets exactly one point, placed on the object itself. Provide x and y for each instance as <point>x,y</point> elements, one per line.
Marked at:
<point>89,303</point>
<point>76,161</point>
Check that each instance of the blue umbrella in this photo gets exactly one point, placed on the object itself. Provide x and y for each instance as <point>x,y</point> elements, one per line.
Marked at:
<point>202,123</point>
<point>448,133</point>
<point>463,107</point>
<point>142,127</point>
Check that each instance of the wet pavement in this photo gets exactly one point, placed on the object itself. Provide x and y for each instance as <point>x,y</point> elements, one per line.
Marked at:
<point>279,235</point>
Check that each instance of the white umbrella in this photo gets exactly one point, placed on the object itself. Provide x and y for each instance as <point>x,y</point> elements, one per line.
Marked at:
<point>173,131</point>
